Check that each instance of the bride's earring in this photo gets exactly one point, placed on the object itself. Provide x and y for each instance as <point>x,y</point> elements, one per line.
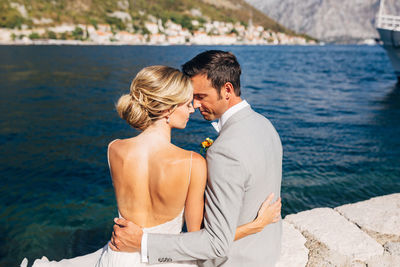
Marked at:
<point>167,119</point>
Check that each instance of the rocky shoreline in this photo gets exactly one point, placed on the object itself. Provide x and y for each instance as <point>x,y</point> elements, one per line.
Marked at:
<point>363,234</point>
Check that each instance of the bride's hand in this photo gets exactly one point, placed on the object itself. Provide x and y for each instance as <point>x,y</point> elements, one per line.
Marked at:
<point>126,237</point>
<point>268,213</point>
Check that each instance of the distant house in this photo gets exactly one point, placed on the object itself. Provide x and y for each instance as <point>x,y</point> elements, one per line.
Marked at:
<point>152,27</point>
<point>157,38</point>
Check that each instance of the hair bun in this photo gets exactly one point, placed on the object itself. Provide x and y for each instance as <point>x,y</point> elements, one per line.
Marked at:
<point>133,112</point>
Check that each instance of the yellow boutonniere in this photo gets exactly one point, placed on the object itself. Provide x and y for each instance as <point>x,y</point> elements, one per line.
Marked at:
<point>205,145</point>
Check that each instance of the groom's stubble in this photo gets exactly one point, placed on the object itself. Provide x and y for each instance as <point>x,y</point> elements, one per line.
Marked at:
<point>206,98</point>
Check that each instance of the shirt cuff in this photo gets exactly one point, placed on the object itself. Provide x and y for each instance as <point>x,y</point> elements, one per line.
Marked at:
<point>143,250</point>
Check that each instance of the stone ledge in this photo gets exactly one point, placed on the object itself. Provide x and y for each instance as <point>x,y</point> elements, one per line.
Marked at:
<point>294,253</point>
<point>339,235</point>
<point>392,248</point>
<point>379,217</point>
<point>363,234</point>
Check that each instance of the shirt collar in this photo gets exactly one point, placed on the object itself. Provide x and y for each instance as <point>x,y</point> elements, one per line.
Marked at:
<point>227,114</point>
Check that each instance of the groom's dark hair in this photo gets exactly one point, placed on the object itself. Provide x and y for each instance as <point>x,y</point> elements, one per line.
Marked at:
<point>219,66</point>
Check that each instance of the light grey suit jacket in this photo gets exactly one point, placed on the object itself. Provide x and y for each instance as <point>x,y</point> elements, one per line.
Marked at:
<point>244,167</point>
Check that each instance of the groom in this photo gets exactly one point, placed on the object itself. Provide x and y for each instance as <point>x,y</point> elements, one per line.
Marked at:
<point>244,166</point>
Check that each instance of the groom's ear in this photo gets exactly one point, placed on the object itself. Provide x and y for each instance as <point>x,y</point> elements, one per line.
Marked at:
<point>227,91</point>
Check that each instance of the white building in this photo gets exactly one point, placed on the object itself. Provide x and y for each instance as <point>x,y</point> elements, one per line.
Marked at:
<point>176,40</point>
<point>152,27</point>
<point>200,38</point>
<point>157,38</point>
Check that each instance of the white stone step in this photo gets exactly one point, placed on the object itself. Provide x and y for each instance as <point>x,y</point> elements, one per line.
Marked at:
<point>344,239</point>
<point>293,253</point>
<point>384,261</point>
<point>379,216</point>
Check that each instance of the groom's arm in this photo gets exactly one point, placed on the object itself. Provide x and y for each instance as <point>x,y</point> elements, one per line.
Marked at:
<point>224,196</point>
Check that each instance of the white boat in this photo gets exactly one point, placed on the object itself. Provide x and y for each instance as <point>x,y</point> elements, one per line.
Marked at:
<point>388,27</point>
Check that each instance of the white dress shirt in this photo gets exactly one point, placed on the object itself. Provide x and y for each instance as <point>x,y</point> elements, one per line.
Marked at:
<point>217,126</point>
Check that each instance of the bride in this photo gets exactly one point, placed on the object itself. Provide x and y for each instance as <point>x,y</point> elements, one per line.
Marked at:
<point>157,184</point>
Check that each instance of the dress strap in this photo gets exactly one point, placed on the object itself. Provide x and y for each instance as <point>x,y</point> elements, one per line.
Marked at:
<point>108,153</point>
<point>190,168</point>
<point>109,167</point>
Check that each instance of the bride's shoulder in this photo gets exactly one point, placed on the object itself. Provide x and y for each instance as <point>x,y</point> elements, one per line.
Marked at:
<point>196,157</point>
<point>188,153</point>
<point>121,143</point>
<point>199,169</point>
<point>198,161</point>
<point>120,147</point>
<point>114,146</point>
<point>113,142</point>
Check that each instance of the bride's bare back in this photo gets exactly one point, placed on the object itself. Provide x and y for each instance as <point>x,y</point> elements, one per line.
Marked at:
<point>155,180</point>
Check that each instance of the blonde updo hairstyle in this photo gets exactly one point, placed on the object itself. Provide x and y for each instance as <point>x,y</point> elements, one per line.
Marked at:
<point>155,92</point>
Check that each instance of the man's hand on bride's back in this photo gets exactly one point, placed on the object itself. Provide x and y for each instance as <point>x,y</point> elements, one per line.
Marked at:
<point>126,237</point>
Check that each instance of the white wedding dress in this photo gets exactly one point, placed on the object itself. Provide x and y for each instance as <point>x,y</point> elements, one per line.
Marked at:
<point>106,257</point>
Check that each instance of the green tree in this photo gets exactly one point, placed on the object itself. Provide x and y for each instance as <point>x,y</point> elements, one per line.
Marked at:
<point>116,22</point>
<point>87,32</point>
<point>136,28</point>
<point>78,33</point>
<point>145,31</point>
<point>51,35</point>
<point>34,36</point>
<point>187,23</point>
<point>94,23</point>
<point>202,20</point>
<point>184,20</point>
<point>64,36</point>
<point>234,31</point>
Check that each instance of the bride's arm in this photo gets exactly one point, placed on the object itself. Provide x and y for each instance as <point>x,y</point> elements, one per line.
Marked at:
<point>194,206</point>
<point>268,213</point>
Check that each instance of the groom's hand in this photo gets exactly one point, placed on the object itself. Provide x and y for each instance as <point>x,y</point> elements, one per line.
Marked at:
<point>126,237</point>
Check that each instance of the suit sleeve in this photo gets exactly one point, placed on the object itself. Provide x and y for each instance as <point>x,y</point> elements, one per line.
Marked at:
<point>224,197</point>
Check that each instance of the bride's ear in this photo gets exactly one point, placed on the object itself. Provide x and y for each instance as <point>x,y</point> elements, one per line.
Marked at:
<point>167,114</point>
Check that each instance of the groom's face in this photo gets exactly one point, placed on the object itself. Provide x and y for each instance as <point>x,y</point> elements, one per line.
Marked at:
<point>206,98</point>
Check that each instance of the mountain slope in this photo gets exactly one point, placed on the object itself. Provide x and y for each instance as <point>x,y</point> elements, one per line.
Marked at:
<point>328,20</point>
<point>98,11</point>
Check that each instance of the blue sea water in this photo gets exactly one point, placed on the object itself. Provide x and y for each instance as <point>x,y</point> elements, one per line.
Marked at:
<point>336,108</point>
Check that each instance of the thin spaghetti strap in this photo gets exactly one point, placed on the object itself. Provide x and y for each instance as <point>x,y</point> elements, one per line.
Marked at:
<point>108,153</point>
<point>190,168</point>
